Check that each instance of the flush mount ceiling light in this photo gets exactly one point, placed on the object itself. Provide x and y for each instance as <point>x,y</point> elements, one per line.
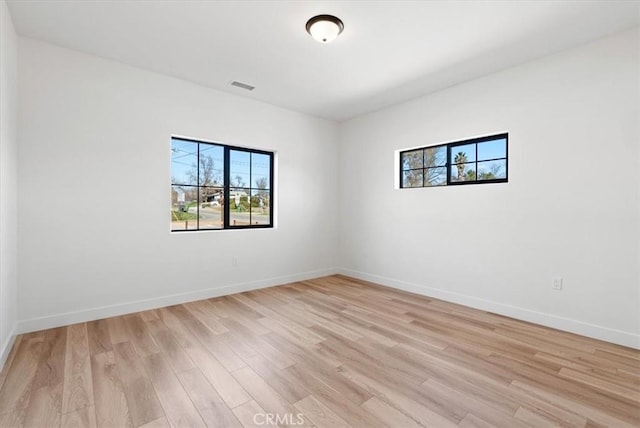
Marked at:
<point>324,28</point>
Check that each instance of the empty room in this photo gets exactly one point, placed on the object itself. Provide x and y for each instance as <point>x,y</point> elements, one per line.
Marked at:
<point>319,213</point>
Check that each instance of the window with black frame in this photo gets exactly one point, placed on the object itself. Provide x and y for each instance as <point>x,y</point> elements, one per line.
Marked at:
<point>215,186</point>
<point>473,161</point>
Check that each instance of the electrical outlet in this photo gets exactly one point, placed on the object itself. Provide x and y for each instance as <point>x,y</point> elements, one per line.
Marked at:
<point>234,261</point>
<point>557,283</point>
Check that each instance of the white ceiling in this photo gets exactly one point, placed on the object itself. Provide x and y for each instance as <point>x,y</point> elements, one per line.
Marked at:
<point>390,51</point>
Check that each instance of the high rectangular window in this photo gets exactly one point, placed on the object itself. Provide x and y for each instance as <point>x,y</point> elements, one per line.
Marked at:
<point>215,186</point>
<point>473,161</point>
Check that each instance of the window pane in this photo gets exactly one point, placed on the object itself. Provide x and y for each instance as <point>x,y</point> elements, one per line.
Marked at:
<point>260,171</point>
<point>201,174</point>
<point>211,207</point>
<point>462,154</point>
<point>239,207</point>
<point>435,176</point>
<point>436,156</point>
<point>492,170</point>
<point>412,178</point>
<point>260,207</point>
<point>184,212</point>
<point>239,168</point>
<point>463,172</point>
<point>211,165</point>
<point>184,158</point>
<point>492,149</point>
<point>412,159</point>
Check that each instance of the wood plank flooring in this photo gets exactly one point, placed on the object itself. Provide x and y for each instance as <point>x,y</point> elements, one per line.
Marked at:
<point>329,352</point>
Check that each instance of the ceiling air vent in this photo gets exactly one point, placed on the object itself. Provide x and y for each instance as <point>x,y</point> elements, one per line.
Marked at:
<point>242,85</point>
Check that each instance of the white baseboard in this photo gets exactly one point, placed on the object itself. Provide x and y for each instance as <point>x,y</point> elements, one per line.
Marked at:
<point>6,347</point>
<point>578,327</point>
<point>58,320</point>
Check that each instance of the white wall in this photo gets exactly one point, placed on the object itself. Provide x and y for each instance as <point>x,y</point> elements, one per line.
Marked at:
<point>94,174</point>
<point>571,207</point>
<point>8,179</point>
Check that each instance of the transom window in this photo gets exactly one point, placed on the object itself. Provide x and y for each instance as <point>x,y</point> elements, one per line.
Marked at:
<point>474,161</point>
<point>215,186</point>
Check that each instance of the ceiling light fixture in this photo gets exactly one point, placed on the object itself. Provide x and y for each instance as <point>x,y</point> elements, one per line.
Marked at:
<point>324,28</point>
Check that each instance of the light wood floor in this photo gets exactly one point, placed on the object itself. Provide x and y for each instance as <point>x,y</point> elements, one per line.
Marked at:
<point>327,352</point>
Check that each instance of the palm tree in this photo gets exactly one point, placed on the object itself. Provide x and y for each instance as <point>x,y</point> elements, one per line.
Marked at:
<point>460,160</point>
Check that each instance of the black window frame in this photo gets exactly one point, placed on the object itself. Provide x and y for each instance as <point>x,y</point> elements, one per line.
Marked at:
<point>450,147</point>
<point>227,186</point>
